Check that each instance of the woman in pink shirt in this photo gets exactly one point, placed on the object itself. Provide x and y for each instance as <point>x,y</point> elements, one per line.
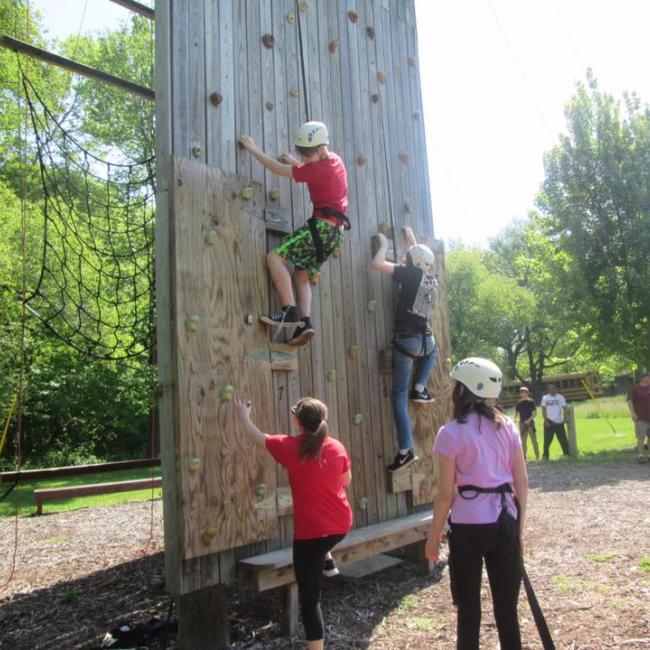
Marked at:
<point>483,489</point>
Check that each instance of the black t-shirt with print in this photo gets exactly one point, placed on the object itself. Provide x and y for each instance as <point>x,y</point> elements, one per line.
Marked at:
<point>525,408</point>
<point>417,294</point>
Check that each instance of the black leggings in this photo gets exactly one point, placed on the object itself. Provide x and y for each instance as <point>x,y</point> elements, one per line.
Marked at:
<point>308,558</point>
<point>468,545</point>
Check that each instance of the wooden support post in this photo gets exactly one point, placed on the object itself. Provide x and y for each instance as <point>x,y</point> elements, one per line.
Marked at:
<point>292,609</point>
<point>415,553</point>
<point>571,431</point>
<point>203,620</point>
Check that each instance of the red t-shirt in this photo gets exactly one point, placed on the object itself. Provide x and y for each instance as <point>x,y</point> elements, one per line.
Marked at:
<point>327,182</point>
<point>320,504</point>
<point>639,395</point>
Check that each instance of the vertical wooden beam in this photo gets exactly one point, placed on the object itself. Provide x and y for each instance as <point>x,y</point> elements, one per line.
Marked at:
<point>571,431</point>
<point>291,609</point>
<point>203,620</point>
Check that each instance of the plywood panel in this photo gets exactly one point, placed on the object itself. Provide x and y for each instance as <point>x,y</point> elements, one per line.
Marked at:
<point>219,278</point>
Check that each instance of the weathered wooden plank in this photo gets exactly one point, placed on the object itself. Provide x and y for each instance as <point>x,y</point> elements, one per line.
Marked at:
<point>197,89</point>
<point>180,80</point>
<point>219,279</point>
<point>163,81</point>
<point>276,569</point>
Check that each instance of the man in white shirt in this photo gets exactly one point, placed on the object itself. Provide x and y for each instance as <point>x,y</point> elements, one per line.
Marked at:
<point>553,409</point>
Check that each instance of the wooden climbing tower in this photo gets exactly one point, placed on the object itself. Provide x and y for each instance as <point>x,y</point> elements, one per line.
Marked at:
<point>262,67</point>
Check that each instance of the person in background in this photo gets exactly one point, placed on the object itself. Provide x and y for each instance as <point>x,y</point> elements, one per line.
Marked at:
<point>483,488</point>
<point>638,403</point>
<point>554,411</point>
<point>526,411</point>
<point>414,349</point>
<point>319,471</point>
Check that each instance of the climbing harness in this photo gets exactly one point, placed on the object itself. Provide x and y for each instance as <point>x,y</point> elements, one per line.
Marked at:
<point>405,352</point>
<point>503,489</point>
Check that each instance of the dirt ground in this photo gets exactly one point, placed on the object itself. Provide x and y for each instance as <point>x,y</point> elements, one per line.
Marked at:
<point>79,574</point>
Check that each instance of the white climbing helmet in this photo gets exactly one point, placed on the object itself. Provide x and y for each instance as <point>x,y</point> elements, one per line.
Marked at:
<point>481,377</point>
<point>311,134</point>
<point>422,257</point>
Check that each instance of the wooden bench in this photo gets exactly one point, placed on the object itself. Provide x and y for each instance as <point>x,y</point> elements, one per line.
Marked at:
<point>51,494</point>
<point>275,569</point>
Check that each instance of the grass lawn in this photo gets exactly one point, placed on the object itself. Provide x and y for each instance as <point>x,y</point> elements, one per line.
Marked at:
<point>23,494</point>
<point>604,431</point>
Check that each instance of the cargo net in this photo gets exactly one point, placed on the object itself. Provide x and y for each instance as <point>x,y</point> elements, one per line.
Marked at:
<point>95,289</point>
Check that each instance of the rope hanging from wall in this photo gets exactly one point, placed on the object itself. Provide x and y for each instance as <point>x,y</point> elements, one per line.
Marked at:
<point>95,289</point>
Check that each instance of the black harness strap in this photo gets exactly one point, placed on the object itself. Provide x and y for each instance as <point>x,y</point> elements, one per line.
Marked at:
<point>318,242</point>
<point>538,615</point>
<point>333,212</point>
<point>406,353</point>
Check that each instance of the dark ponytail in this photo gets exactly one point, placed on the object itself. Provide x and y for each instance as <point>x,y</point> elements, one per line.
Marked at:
<point>312,415</point>
<point>465,402</point>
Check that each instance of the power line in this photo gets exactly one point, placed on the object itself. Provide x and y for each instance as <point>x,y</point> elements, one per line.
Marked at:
<point>540,113</point>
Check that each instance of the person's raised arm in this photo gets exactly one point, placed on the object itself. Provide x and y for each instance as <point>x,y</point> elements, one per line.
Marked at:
<point>520,486</point>
<point>288,159</point>
<point>243,411</point>
<point>379,262</point>
<point>409,236</point>
<point>273,165</point>
<point>444,499</point>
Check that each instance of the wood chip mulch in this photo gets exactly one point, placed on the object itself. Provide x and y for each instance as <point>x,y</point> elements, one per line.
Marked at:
<point>78,574</point>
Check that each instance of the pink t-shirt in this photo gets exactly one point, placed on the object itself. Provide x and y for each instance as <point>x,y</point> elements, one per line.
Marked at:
<point>484,456</point>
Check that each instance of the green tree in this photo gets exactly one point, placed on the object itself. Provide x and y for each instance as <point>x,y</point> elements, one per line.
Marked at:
<point>596,197</point>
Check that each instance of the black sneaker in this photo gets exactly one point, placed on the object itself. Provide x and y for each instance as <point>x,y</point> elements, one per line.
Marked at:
<point>402,460</point>
<point>288,317</point>
<point>421,396</point>
<point>303,333</point>
<point>330,569</point>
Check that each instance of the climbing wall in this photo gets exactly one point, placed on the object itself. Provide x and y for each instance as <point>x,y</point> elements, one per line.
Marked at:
<point>262,67</point>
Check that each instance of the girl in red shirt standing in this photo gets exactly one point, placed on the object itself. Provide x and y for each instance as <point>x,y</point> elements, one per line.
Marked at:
<point>319,471</point>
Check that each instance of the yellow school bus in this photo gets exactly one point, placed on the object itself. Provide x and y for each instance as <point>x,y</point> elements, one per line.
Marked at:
<point>570,385</point>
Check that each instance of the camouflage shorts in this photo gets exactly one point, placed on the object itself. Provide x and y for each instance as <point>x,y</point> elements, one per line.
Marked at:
<point>299,249</point>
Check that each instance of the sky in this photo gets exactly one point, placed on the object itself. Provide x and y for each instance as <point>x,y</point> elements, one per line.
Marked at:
<point>496,75</point>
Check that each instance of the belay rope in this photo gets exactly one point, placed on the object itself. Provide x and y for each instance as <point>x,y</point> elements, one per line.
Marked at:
<point>538,615</point>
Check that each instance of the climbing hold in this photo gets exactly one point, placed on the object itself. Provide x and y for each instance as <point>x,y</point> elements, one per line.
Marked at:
<point>315,279</point>
<point>193,464</point>
<point>226,393</point>
<point>294,92</point>
<point>290,18</point>
<point>358,418</point>
<point>260,489</point>
<point>362,160</point>
<point>303,6</point>
<point>336,252</point>
<point>382,77</point>
<point>208,535</point>
<point>353,350</point>
<point>215,98</point>
<point>196,151</point>
<point>331,375</point>
<point>268,40</point>
<point>404,158</point>
<point>407,207</point>
<point>353,16</point>
<point>274,195</point>
<point>191,322</point>
<point>249,319</point>
<point>362,502</point>
<point>415,116</point>
<point>384,227</point>
<point>247,193</point>
<point>333,46</point>
<point>269,106</point>
<point>374,98</point>
<point>412,61</point>
<point>210,237</point>
<point>372,305</point>
<point>371,32</point>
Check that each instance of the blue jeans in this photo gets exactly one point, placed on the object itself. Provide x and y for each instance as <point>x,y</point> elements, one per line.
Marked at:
<point>424,349</point>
